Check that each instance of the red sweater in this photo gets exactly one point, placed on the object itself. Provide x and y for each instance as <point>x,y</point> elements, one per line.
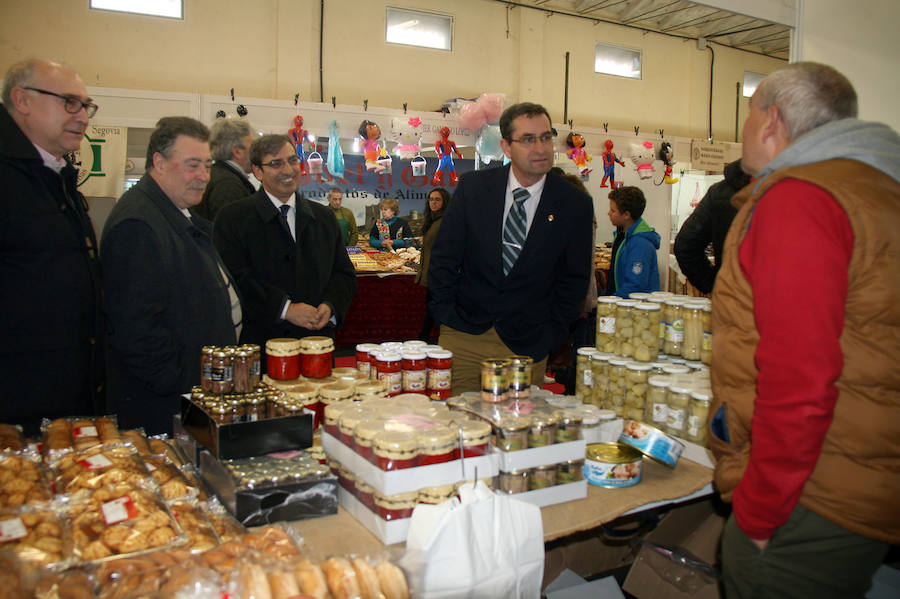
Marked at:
<point>795,256</point>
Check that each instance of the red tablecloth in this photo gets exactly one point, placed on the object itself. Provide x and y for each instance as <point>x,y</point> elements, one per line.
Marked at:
<point>389,308</point>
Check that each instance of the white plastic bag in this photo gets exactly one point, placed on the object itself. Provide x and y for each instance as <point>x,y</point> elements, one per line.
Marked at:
<point>480,545</point>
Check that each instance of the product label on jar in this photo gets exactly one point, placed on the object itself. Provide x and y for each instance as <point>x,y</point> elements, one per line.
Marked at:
<point>494,383</point>
<point>393,381</point>
<point>706,343</point>
<point>363,367</point>
<point>439,379</point>
<point>660,413</point>
<point>606,324</point>
<point>588,377</point>
<point>675,330</point>
<point>84,431</point>
<point>414,380</point>
<point>118,510</point>
<point>675,419</point>
<point>694,424</point>
<point>221,373</point>
<point>520,379</point>
<point>12,529</point>
<point>95,462</point>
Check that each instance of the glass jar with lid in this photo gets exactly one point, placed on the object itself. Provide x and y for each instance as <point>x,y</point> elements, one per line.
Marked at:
<point>569,426</point>
<point>636,377</point>
<point>674,326</point>
<point>600,377</point>
<point>520,376</point>
<point>692,341</point>
<point>706,343</point>
<point>624,327</point>
<point>677,399</point>
<point>606,323</point>
<point>283,358</point>
<point>542,431</point>
<point>698,414</point>
<point>512,433</point>
<point>645,331</point>
<point>615,396</point>
<point>661,302</point>
<point>495,380</point>
<point>656,406</point>
<point>584,378</point>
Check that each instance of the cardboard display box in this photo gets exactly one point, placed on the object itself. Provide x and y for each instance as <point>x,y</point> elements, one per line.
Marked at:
<point>246,439</point>
<point>541,456</point>
<point>388,532</point>
<point>695,527</point>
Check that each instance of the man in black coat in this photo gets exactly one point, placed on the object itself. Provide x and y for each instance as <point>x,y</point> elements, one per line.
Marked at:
<point>286,253</point>
<point>493,302</point>
<point>51,363</point>
<point>167,292</point>
<point>229,144</point>
<point>709,223</point>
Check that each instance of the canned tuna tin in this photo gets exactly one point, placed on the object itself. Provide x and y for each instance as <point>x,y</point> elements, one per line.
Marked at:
<point>612,465</point>
<point>652,442</point>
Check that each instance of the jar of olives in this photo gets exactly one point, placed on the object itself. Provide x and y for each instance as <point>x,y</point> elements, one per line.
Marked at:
<point>606,323</point>
<point>635,389</point>
<point>645,331</point>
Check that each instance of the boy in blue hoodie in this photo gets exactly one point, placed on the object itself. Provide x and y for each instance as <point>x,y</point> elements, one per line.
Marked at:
<point>634,264</point>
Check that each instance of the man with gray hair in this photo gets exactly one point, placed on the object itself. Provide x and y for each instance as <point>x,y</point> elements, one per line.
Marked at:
<point>229,143</point>
<point>167,291</point>
<point>51,363</point>
<point>805,421</point>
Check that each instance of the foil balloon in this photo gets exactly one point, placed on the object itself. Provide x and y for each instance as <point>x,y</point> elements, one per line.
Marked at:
<point>577,153</point>
<point>643,155</point>
<point>445,148</point>
<point>370,134</point>
<point>609,164</point>
<point>407,133</point>
<point>335,155</point>
<point>665,154</point>
<point>298,136</point>
<point>488,144</point>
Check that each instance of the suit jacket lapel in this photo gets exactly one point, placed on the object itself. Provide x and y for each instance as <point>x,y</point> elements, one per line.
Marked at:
<point>268,213</point>
<point>496,192</point>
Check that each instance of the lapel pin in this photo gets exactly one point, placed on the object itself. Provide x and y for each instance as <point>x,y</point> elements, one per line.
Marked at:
<point>550,218</point>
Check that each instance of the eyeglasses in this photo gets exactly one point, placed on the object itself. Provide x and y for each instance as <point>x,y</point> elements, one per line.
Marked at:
<point>530,140</point>
<point>278,163</point>
<point>72,104</point>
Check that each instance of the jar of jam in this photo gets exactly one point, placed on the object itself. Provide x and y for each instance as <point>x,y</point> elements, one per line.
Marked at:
<point>414,345</point>
<point>476,438</point>
<point>569,472</point>
<point>437,445</point>
<point>283,359</point>
<point>366,494</point>
<point>365,361</point>
<point>413,370</point>
<point>542,430</point>
<point>332,416</point>
<point>340,391</point>
<point>514,481</point>
<point>542,477</point>
<point>389,369</point>
<point>520,376</point>
<point>364,437</point>
<point>495,380</point>
<point>395,507</point>
<point>346,479</point>
<point>569,427</point>
<point>316,356</point>
<point>394,450</point>
<point>436,495</point>
<point>438,378</point>
<point>242,367</point>
<point>347,423</point>
<point>206,360</point>
<point>370,389</point>
<point>512,433</point>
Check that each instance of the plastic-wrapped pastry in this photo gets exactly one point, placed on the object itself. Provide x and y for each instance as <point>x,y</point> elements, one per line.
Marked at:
<point>37,536</point>
<point>22,481</point>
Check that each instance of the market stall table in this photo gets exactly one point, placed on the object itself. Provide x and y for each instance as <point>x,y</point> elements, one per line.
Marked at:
<point>385,307</point>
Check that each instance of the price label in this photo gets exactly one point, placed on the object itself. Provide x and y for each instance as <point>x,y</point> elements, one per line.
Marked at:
<point>84,431</point>
<point>96,462</point>
<point>118,510</point>
<point>12,529</point>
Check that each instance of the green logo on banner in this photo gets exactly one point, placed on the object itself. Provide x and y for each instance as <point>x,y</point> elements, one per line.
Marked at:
<point>96,166</point>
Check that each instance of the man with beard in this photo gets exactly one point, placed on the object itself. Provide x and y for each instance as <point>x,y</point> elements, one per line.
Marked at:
<point>287,254</point>
<point>167,292</point>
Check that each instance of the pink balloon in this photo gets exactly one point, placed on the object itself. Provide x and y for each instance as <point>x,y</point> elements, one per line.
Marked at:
<point>471,116</point>
<point>492,105</point>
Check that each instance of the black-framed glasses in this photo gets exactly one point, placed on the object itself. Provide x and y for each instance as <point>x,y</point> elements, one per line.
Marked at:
<point>278,163</point>
<point>530,140</point>
<point>72,104</point>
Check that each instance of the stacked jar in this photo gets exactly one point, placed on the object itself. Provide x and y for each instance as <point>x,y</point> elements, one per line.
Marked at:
<point>706,345</point>
<point>584,378</point>
<point>678,399</point>
<point>636,385</point>
<point>389,371</point>
<point>661,302</point>
<point>615,396</point>
<point>692,342</point>
<point>365,360</point>
<point>520,376</point>
<point>673,316</point>
<point>439,374</point>
<point>600,378</point>
<point>606,323</point>
<point>645,331</point>
<point>698,414</point>
<point>316,356</point>
<point>624,327</point>
<point>495,380</point>
<point>283,359</point>
<point>414,371</point>
<point>656,406</point>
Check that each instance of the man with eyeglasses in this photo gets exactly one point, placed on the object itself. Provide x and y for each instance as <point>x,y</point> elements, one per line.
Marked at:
<point>229,143</point>
<point>51,362</point>
<point>509,268</point>
<point>168,293</point>
<point>286,252</point>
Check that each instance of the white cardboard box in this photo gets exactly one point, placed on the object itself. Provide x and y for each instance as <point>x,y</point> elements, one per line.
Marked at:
<point>553,495</point>
<point>411,479</point>
<point>541,456</point>
<point>388,532</point>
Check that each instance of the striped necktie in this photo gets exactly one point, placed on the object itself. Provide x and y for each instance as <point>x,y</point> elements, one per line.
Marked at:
<point>514,231</point>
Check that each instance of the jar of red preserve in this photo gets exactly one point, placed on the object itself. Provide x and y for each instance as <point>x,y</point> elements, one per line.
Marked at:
<point>389,369</point>
<point>439,363</point>
<point>413,368</point>
<point>315,356</point>
<point>365,359</point>
<point>437,445</point>
<point>394,450</point>
<point>283,358</point>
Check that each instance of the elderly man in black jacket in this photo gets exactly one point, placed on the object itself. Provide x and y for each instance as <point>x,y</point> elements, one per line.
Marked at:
<point>229,144</point>
<point>167,292</point>
<point>287,253</point>
<point>50,362</point>
<point>709,223</point>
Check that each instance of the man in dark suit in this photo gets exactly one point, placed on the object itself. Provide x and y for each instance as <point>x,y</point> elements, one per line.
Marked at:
<point>50,363</point>
<point>229,144</point>
<point>167,292</point>
<point>287,253</point>
<point>511,262</point>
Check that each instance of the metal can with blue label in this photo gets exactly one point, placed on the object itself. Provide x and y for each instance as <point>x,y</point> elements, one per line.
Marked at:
<point>612,465</point>
<point>652,442</point>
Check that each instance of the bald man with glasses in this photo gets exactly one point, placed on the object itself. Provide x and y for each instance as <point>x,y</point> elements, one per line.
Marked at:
<point>510,265</point>
<point>51,363</point>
